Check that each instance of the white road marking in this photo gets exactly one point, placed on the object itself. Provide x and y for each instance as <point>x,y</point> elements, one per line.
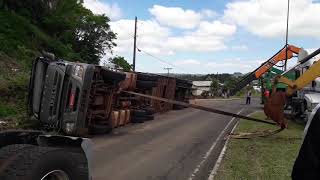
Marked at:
<point>223,151</point>
<point>205,157</point>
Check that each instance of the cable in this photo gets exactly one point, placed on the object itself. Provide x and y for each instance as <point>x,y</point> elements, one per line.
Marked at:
<point>159,59</point>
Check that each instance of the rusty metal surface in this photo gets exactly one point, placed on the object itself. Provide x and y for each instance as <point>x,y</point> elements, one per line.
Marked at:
<point>114,119</point>
<point>274,108</point>
<point>100,103</point>
<point>165,89</point>
<point>129,83</point>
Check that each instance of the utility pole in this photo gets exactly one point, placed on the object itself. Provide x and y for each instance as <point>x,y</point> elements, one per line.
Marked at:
<point>134,44</point>
<point>287,29</point>
<point>168,69</point>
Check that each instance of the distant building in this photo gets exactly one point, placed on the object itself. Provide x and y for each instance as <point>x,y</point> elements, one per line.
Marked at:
<point>200,86</point>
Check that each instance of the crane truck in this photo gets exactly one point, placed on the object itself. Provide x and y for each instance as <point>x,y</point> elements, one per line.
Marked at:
<point>303,100</point>
<point>306,165</point>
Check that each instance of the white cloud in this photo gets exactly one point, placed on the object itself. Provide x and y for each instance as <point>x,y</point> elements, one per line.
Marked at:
<point>239,47</point>
<point>208,13</point>
<point>151,36</point>
<point>208,37</point>
<point>187,62</point>
<point>175,16</point>
<point>156,39</point>
<point>204,66</point>
<point>98,7</point>
<point>268,18</point>
<point>233,65</point>
<point>215,28</point>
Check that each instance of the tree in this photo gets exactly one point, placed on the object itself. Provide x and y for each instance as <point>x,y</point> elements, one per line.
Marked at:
<point>94,37</point>
<point>214,87</point>
<point>70,23</point>
<point>231,83</point>
<point>88,34</point>
<point>121,62</point>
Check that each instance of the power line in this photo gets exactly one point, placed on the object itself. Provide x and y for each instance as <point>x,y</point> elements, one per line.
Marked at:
<point>159,59</point>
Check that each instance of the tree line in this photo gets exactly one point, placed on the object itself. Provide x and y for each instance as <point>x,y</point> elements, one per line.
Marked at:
<point>85,36</point>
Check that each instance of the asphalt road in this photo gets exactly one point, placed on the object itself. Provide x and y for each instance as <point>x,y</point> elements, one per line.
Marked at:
<point>182,144</point>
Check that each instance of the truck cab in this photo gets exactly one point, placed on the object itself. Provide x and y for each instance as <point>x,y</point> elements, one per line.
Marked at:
<point>70,97</point>
<point>308,97</point>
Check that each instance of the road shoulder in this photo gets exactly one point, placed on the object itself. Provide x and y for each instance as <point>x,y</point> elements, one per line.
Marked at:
<point>270,157</point>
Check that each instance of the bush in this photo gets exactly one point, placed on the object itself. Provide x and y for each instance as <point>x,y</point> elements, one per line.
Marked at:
<point>6,111</point>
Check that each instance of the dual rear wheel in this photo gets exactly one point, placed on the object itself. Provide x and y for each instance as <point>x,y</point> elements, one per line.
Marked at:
<point>29,162</point>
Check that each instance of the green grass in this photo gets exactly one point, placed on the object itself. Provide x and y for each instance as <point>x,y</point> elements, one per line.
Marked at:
<point>6,110</point>
<point>269,157</point>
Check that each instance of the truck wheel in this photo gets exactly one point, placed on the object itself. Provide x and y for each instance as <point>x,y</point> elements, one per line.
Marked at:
<point>149,117</point>
<point>139,119</point>
<point>100,129</point>
<point>146,84</point>
<point>149,110</point>
<point>7,152</point>
<point>139,113</point>
<point>42,163</point>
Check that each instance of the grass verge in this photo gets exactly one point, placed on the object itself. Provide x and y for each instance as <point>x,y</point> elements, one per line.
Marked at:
<point>261,158</point>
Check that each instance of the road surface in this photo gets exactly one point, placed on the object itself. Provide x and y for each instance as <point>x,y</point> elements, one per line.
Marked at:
<point>176,145</point>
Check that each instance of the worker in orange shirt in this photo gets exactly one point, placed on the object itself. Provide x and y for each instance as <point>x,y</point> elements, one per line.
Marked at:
<point>267,94</point>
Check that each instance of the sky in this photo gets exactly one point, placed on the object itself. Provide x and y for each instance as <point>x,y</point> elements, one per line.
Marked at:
<point>208,36</point>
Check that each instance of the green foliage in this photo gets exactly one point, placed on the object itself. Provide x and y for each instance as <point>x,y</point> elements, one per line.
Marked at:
<point>6,111</point>
<point>214,87</point>
<point>75,32</point>
<point>24,41</point>
<point>121,62</point>
<point>63,27</point>
<point>94,37</point>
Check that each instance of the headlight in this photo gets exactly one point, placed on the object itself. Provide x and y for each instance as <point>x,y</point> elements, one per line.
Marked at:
<point>69,128</point>
<point>313,105</point>
<point>78,71</point>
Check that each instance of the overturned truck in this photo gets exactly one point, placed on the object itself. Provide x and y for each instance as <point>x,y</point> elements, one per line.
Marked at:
<point>65,98</point>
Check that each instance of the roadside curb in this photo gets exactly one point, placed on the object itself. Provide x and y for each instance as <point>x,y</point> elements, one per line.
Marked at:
<point>220,99</point>
<point>194,101</point>
<point>223,151</point>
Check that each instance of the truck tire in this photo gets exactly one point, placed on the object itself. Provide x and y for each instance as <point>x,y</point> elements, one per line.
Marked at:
<point>100,129</point>
<point>139,119</point>
<point>149,110</point>
<point>109,75</point>
<point>146,84</point>
<point>149,117</point>
<point>138,113</point>
<point>7,152</point>
<point>42,163</point>
<point>177,107</point>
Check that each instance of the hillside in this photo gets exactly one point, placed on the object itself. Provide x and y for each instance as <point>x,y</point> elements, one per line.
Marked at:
<point>33,26</point>
<point>20,42</point>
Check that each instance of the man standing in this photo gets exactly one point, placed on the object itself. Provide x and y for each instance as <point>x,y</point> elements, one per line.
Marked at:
<point>248,100</point>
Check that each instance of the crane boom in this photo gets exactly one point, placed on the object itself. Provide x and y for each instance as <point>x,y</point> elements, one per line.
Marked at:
<point>274,108</point>
<point>287,51</point>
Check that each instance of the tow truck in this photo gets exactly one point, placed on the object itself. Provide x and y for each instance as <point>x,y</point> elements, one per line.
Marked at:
<point>306,165</point>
